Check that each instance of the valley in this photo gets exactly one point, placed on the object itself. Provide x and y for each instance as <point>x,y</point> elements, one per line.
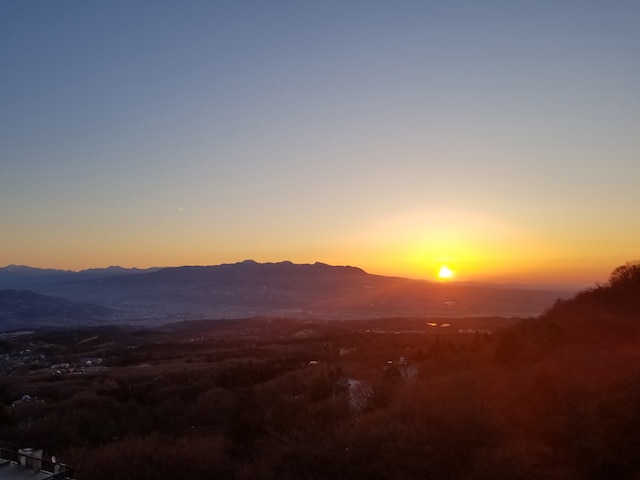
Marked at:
<point>552,395</point>
<point>246,289</point>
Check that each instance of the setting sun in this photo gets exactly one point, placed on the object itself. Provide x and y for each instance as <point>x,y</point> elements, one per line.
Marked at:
<point>445,273</point>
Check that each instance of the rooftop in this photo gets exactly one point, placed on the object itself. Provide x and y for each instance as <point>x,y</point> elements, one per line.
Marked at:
<point>13,471</point>
<point>28,464</point>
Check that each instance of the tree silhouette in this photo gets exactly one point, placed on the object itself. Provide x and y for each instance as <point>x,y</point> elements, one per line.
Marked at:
<point>626,274</point>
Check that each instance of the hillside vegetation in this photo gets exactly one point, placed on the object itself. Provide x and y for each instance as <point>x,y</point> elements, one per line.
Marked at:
<point>552,397</point>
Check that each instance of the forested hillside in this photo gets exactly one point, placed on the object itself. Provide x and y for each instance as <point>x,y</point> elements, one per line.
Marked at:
<point>552,397</point>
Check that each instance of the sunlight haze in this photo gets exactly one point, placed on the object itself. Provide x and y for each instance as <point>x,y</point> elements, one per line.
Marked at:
<point>500,139</point>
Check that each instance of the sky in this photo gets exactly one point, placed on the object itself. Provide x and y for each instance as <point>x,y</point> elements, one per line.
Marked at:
<point>498,138</point>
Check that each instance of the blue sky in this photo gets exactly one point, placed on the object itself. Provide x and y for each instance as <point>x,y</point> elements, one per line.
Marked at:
<point>499,137</point>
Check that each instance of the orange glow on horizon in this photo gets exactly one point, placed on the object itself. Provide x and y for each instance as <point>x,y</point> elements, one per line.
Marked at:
<point>473,245</point>
<point>417,244</point>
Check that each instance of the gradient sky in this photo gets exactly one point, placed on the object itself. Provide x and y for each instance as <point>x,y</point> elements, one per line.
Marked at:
<point>499,137</point>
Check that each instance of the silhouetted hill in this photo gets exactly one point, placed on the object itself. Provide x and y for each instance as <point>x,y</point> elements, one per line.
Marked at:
<point>554,397</point>
<point>26,309</point>
<point>250,274</point>
<point>602,319</point>
<point>282,289</point>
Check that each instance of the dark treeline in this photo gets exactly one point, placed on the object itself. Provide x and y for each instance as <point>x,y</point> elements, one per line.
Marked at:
<point>553,397</point>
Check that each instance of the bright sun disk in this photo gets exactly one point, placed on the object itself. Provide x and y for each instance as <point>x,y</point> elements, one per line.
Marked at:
<point>445,273</point>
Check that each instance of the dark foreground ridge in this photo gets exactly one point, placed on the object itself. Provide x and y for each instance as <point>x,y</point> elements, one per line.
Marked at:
<point>282,398</point>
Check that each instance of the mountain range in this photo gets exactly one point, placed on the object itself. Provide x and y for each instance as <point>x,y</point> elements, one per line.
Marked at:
<point>24,308</point>
<point>162,295</point>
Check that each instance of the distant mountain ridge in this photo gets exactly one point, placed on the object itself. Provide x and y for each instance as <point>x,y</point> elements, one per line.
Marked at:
<point>12,272</point>
<point>250,288</point>
<point>24,308</point>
